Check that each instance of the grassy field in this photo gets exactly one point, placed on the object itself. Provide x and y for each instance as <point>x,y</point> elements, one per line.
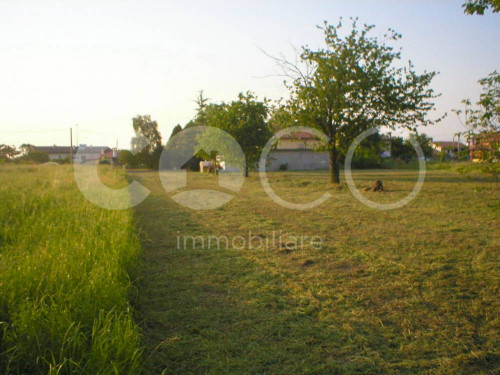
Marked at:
<point>409,291</point>
<point>65,269</point>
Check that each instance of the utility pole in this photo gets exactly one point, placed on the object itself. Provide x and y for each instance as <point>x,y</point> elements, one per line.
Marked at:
<point>71,145</point>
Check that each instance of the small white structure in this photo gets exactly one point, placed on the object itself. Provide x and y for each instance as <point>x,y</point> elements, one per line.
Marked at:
<point>450,147</point>
<point>387,152</point>
<point>206,166</point>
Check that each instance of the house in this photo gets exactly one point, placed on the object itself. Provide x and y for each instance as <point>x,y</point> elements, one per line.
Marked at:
<point>296,152</point>
<point>81,154</point>
<point>451,148</point>
<point>56,152</point>
<point>483,143</point>
<point>90,154</point>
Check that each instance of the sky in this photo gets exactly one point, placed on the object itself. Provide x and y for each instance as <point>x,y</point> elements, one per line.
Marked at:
<point>93,66</point>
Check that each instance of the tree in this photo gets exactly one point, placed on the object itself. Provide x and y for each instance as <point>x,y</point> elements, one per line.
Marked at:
<point>37,156</point>
<point>26,148</point>
<point>199,120</point>
<point>352,85</point>
<point>483,124</point>
<point>424,142</point>
<point>368,153</point>
<point>177,129</point>
<point>8,152</point>
<point>479,6</point>
<point>245,119</point>
<point>485,116</point>
<point>401,150</point>
<point>125,157</point>
<point>147,144</point>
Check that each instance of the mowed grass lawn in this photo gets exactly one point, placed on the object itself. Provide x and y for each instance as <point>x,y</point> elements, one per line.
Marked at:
<point>409,291</point>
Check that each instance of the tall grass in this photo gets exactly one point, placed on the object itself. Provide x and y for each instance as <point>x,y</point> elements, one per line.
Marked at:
<point>65,269</point>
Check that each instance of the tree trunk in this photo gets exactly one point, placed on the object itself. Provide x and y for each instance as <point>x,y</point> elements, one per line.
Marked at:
<point>334,166</point>
<point>246,170</point>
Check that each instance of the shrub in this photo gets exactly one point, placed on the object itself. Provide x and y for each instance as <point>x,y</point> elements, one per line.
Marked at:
<point>283,167</point>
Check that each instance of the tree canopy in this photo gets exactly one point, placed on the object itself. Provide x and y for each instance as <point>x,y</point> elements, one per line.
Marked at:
<point>485,115</point>
<point>245,119</point>
<point>353,84</point>
<point>480,6</point>
<point>8,152</point>
<point>147,144</point>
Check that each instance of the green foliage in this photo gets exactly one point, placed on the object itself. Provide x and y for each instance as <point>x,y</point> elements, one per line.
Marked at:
<point>352,85</point>
<point>443,155</point>
<point>367,154</point>
<point>128,159</point>
<point>64,276</point>
<point>490,168</point>
<point>147,144</point>
<point>177,129</point>
<point>424,142</point>
<point>26,148</point>
<point>482,122</point>
<point>401,150</point>
<point>463,154</point>
<point>283,167</point>
<point>245,120</point>
<point>8,153</point>
<point>479,6</point>
<point>485,116</point>
<point>36,156</point>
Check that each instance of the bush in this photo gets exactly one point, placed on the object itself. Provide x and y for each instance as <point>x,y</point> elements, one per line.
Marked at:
<point>362,162</point>
<point>283,167</point>
<point>36,157</point>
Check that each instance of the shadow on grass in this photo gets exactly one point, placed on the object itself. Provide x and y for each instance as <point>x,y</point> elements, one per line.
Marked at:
<point>217,311</point>
<point>212,311</point>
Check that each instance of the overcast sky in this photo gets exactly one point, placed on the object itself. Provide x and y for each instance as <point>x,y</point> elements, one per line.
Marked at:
<point>98,64</point>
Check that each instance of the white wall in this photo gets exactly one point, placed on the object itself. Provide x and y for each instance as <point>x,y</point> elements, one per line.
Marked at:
<point>298,160</point>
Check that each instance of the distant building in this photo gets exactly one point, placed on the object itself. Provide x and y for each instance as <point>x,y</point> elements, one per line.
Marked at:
<point>451,148</point>
<point>296,152</point>
<point>56,152</point>
<point>89,154</point>
<point>483,143</point>
<point>81,154</point>
<point>387,148</point>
